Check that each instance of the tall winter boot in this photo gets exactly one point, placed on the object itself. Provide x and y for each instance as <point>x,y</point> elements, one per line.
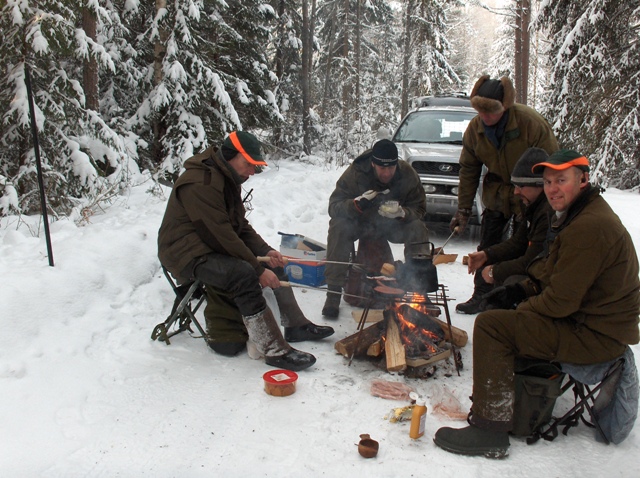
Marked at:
<point>476,303</point>
<point>331,307</point>
<point>265,334</point>
<point>297,328</point>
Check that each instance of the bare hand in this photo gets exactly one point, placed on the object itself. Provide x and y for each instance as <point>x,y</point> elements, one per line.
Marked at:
<point>269,279</point>
<point>476,261</point>
<point>276,259</point>
<point>487,274</point>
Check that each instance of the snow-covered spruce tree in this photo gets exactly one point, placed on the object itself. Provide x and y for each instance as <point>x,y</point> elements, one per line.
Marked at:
<point>209,76</point>
<point>339,86</point>
<point>593,100</point>
<point>286,57</point>
<point>431,72</point>
<point>45,35</point>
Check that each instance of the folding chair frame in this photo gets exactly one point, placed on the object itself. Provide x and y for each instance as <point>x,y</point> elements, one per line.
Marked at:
<point>584,399</point>
<point>182,314</point>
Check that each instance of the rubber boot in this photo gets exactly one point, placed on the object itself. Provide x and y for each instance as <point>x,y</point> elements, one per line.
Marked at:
<point>473,441</point>
<point>476,303</point>
<point>331,307</point>
<point>297,328</point>
<point>265,334</point>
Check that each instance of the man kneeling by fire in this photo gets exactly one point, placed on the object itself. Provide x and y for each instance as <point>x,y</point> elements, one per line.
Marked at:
<point>579,304</point>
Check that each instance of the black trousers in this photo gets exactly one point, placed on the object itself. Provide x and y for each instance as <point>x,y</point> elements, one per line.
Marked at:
<point>235,277</point>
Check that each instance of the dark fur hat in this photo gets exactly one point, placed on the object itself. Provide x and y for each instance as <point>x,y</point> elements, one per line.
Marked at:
<point>493,96</point>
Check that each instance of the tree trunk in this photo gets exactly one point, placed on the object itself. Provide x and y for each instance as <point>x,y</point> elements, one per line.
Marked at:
<point>356,105</point>
<point>346,84</point>
<point>521,57</point>
<point>406,57</point>
<point>90,71</point>
<point>306,95</point>
<point>159,126</point>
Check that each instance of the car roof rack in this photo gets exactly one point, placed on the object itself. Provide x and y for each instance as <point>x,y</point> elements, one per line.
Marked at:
<point>449,99</point>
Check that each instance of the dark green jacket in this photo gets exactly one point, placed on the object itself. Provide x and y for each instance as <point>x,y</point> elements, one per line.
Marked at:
<point>205,214</point>
<point>525,128</point>
<point>359,177</point>
<point>590,272</point>
<point>511,257</point>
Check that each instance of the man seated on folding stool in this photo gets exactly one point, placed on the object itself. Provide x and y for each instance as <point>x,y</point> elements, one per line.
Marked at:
<point>205,235</point>
<point>579,304</point>
<point>378,196</point>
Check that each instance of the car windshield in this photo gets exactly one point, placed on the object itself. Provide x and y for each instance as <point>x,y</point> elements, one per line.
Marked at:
<point>436,126</point>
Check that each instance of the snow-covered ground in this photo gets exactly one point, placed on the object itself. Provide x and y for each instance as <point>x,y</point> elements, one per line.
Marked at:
<point>84,391</point>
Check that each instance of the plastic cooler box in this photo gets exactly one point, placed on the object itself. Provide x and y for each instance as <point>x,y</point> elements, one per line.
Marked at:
<point>303,254</point>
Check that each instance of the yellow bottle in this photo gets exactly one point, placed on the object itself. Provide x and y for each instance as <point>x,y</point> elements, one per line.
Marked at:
<point>418,417</point>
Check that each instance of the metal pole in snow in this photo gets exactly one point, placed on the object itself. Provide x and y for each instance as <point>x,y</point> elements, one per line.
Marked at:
<point>36,149</point>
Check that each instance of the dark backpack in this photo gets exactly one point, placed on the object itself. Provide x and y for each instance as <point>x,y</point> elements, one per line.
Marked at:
<point>537,386</point>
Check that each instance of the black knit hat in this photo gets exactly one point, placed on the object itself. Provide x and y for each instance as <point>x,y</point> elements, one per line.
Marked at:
<point>384,153</point>
<point>522,174</point>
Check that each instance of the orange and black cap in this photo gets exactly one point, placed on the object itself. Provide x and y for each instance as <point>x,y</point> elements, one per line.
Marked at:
<point>247,145</point>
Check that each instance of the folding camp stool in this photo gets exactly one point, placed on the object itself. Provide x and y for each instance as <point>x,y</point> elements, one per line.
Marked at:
<point>183,313</point>
<point>585,398</point>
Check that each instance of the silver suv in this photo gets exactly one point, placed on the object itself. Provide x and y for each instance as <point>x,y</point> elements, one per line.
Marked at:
<point>430,139</point>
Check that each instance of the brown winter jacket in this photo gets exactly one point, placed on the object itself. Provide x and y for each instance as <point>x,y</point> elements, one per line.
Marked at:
<point>590,272</point>
<point>205,214</point>
<point>511,257</point>
<point>525,128</point>
<point>405,187</point>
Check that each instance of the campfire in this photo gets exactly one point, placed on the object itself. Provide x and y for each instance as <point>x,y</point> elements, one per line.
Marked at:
<point>407,332</point>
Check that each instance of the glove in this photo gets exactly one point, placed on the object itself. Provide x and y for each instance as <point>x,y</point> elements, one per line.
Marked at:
<point>460,220</point>
<point>391,210</point>
<point>366,200</point>
<point>505,297</point>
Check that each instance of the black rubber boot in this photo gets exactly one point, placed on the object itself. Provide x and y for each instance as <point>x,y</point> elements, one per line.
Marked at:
<point>476,304</point>
<point>473,306</point>
<point>331,307</point>
<point>473,441</point>
<point>307,332</point>
<point>228,349</point>
<point>294,360</point>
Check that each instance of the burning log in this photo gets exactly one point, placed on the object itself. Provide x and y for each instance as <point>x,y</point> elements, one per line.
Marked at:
<point>459,339</point>
<point>347,346</point>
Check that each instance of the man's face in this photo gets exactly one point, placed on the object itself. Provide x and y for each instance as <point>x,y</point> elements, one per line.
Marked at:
<point>528,194</point>
<point>243,167</point>
<point>384,173</point>
<point>490,119</point>
<point>563,187</point>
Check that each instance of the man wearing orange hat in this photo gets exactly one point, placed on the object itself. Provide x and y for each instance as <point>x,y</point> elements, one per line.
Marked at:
<point>579,305</point>
<point>205,235</point>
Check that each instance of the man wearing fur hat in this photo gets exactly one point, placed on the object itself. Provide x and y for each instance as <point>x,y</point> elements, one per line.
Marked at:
<point>205,235</point>
<point>496,138</point>
<point>510,258</point>
<point>579,305</point>
<point>377,196</point>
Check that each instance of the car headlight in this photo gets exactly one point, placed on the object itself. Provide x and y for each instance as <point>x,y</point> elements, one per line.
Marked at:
<point>454,191</point>
<point>429,188</point>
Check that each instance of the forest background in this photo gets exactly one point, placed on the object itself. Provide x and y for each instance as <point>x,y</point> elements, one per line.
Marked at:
<point>130,85</point>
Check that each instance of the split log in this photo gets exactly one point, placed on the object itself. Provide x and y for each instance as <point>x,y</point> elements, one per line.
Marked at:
<point>375,349</point>
<point>393,348</point>
<point>420,362</point>
<point>444,259</point>
<point>347,346</point>
<point>460,337</point>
